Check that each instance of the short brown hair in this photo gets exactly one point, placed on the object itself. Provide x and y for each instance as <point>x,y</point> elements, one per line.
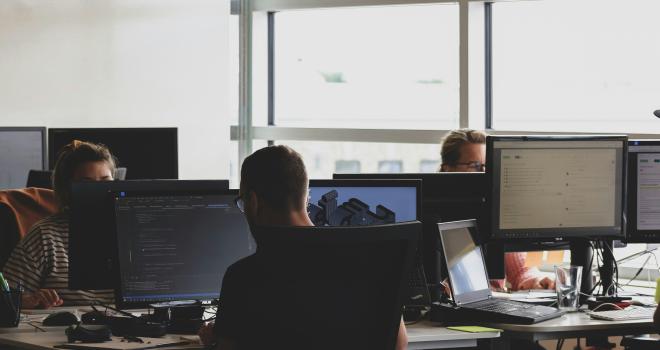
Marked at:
<point>455,139</point>
<point>277,175</point>
<point>69,158</point>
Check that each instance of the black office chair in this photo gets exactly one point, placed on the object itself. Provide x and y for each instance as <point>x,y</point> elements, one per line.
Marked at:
<point>644,342</point>
<point>40,179</point>
<point>329,287</point>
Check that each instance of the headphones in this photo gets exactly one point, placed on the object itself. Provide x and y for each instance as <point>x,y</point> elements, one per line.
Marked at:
<point>88,333</point>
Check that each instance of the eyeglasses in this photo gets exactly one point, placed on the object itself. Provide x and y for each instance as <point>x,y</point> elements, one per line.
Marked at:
<point>475,166</point>
<point>240,203</point>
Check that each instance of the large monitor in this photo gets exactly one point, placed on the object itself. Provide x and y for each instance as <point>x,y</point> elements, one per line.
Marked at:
<point>557,187</point>
<point>446,197</point>
<point>21,149</point>
<point>177,246</point>
<point>643,191</point>
<point>147,153</point>
<point>363,202</point>
<point>92,238</point>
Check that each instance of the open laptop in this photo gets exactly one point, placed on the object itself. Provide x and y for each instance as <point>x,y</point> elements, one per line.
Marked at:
<point>469,280</point>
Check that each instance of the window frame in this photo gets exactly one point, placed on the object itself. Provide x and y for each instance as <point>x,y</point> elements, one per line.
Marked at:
<point>245,132</point>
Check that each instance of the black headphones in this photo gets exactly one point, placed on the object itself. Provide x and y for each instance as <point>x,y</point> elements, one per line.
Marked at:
<point>88,333</point>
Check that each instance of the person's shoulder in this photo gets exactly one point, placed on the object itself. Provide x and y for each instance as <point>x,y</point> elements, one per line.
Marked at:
<point>245,265</point>
<point>53,221</point>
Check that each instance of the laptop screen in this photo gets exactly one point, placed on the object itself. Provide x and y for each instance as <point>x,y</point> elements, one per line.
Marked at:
<point>465,264</point>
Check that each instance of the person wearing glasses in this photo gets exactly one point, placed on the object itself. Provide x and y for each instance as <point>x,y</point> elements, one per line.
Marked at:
<point>464,150</point>
<point>273,192</point>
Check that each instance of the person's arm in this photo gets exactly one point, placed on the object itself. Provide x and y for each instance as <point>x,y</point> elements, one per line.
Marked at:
<point>523,277</point>
<point>402,337</point>
<point>25,267</point>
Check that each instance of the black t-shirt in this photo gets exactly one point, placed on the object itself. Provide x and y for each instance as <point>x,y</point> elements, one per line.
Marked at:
<point>305,300</point>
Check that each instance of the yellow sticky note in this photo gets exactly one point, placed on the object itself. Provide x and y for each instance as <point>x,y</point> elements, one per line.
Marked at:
<point>474,329</point>
<point>657,290</point>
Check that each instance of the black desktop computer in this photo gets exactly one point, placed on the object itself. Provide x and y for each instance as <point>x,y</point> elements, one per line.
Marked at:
<point>147,153</point>
<point>177,245</point>
<point>92,236</point>
<point>351,202</point>
<point>447,197</point>
<point>643,191</point>
<point>559,189</point>
<point>21,149</point>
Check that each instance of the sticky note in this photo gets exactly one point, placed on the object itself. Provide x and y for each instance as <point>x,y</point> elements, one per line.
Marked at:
<point>474,329</point>
<point>657,290</point>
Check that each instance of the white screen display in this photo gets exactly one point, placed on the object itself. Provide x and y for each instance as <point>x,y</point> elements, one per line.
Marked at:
<point>558,185</point>
<point>465,263</point>
<point>648,191</point>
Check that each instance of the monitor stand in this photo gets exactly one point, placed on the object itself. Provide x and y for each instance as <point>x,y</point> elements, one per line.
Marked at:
<point>582,255</point>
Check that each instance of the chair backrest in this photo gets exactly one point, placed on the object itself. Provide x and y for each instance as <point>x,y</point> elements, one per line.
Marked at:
<point>40,179</point>
<point>331,287</point>
<point>19,210</point>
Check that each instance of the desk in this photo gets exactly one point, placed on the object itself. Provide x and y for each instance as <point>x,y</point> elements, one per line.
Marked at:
<point>572,325</point>
<point>420,336</point>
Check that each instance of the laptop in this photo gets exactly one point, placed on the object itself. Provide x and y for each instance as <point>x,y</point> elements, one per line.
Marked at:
<point>469,281</point>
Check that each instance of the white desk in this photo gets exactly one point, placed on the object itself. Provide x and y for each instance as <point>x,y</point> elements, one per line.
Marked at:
<point>420,336</point>
<point>573,325</point>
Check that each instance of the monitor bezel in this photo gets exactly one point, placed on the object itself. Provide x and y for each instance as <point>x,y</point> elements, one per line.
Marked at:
<point>44,142</point>
<point>553,235</point>
<point>635,235</point>
<point>375,183</point>
<point>119,298</point>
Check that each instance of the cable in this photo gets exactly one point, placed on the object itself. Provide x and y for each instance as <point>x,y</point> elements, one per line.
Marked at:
<point>604,304</point>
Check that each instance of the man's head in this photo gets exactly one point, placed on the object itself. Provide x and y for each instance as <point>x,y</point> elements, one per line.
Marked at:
<point>274,187</point>
<point>464,150</point>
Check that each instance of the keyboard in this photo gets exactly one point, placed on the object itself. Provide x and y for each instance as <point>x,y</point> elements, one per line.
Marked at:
<point>629,313</point>
<point>506,311</point>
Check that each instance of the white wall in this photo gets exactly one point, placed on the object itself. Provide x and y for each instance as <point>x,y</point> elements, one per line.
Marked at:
<point>122,63</point>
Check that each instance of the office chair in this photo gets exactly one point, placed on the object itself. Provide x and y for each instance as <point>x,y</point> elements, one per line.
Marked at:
<point>40,179</point>
<point>19,210</point>
<point>329,287</point>
<point>640,343</point>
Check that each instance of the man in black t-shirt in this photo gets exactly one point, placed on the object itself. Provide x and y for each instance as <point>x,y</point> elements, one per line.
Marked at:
<point>273,192</point>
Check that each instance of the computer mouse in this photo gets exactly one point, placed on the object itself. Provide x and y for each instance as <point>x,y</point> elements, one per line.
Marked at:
<point>63,318</point>
<point>94,318</point>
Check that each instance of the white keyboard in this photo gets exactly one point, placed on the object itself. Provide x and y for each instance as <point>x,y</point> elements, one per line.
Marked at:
<point>629,313</point>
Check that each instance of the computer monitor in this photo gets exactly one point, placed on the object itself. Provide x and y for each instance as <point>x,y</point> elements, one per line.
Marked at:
<point>446,197</point>
<point>92,237</point>
<point>643,191</point>
<point>147,153</point>
<point>557,187</point>
<point>177,246</point>
<point>363,202</point>
<point>21,149</point>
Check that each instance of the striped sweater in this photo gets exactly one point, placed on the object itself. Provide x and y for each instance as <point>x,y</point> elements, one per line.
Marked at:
<point>41,261</point>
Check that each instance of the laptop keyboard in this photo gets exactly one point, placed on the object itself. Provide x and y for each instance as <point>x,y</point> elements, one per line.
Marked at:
<point>513,308</point>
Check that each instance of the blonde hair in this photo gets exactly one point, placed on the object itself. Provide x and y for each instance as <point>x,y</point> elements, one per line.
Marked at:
<point>69,158</point>
<point>455,139</point>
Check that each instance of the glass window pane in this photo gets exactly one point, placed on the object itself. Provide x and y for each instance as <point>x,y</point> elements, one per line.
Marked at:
<point>322,159</point>
<point>375,67</point>
<point>564,65</point>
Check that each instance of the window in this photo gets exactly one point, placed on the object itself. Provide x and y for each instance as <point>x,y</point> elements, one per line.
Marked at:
<point>576,66</point>
<point>325,158</point>
<point>398,69</point>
